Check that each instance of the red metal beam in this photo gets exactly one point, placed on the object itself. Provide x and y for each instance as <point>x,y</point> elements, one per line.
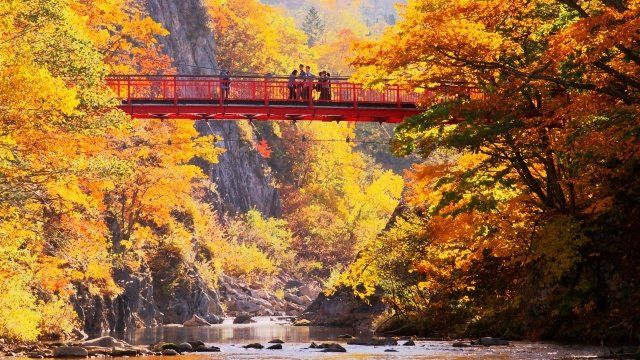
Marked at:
<point>270,112</point>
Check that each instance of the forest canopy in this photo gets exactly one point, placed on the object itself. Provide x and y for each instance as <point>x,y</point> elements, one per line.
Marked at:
<point>522,218</point>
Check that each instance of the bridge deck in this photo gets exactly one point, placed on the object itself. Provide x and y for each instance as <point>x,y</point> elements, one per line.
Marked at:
<point>259,98</point>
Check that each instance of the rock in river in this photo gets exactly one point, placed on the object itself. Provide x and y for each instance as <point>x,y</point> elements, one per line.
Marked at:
<point>196,344</point>
<point>301,322</point>
<point>185,347</point>
<point>196,321</point>
<point>105,341</point>
<point>490,341</point>
<point>460,344</point>
<point>332,347</point>
<point>276,341</point>
<point>243,319</point>
<point>366,341</point>
<point>70,352</point>
<point>118,352</point>
<point>169,352</point>
<point>204,348</point>
<point>275,347</point>
<point>254,346</point>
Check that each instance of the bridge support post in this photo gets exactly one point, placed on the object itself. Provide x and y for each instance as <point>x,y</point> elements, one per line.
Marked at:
<point>175,90</point>
<point>355,96</point>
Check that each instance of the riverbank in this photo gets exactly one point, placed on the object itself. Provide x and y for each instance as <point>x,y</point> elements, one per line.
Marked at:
<point>343,349</point>
<point>267,339</point>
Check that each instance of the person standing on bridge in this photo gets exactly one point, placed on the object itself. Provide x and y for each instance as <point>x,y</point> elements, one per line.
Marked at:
<point>308,83</point>
<point>327,86</point>
<point>292,85</point>
<point>318,85</point>
<point>301,78</point>
<point>225,84</point>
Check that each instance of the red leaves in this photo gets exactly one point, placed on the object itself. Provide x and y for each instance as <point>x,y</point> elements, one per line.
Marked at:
<point>263,148</point>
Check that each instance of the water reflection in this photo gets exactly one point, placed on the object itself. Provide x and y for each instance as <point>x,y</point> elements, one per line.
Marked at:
<point>228,333</point>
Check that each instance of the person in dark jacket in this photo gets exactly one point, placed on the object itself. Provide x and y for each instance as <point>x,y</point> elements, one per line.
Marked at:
<point>225,84</point>
<point>292,85</point>
<point>327,86</point>
<point>318,85</point>
<point>301,79</point>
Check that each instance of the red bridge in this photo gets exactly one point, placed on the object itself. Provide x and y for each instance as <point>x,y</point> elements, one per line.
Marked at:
<point>257,98</point>
<point>267,98</point>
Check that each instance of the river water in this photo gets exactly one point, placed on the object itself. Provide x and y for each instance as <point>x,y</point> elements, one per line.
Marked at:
<point>230,338</point>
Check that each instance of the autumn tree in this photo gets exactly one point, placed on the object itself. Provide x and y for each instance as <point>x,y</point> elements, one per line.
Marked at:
<point>336,197</point>
<point>55,113</point>
<point>521,176</point>
<point>70,159</point>
<point>313,26</point>
<point>254,37</point>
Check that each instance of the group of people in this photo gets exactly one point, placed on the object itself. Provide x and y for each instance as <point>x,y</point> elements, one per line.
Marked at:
<point>303,82</point>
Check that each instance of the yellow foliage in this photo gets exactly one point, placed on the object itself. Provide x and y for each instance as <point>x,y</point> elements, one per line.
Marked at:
<point>255,37</point>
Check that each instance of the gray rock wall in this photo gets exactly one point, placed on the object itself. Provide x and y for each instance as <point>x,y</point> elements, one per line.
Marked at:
<point>240,177</point>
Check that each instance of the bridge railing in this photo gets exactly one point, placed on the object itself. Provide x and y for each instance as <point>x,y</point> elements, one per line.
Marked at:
<point>178,88</point>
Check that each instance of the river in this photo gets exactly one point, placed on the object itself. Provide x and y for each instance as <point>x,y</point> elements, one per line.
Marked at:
<point>230,338</point>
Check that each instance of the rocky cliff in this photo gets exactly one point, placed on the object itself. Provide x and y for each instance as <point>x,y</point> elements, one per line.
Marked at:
<point>240,177</point>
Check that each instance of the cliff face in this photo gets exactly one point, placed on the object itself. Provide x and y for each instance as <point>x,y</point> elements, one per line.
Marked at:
<point>240,176</point>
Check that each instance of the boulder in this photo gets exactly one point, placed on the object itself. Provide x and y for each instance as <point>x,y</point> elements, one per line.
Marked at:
<point>70,352</point>
<point>246,306</point>
<point>409,343</point>
<point>254,346</point>
<point>293,308</point>
<point>390,350</point>
<point>204,348</point>
<point>301,322</point>
<point>165,346</point>
<point>118,352</point>
<point>460,344</point>
<point>276,341</point>
<point>98,350</point>
<point>490,341</point>
<point>185,347</point>
<point>293,298</point>
<point>310,291</point>
<point>275,347</point>
<point>243,319</point>
<point>367,341</point>
<point>332,347</point>
<point>260,294</point>
<point>196,321</point>
<point>36,355</point>
<point>79,334</point>
<point>169,352</point>
<point>214,319</point>
<point>196,344</point>
<point>105,341</point>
